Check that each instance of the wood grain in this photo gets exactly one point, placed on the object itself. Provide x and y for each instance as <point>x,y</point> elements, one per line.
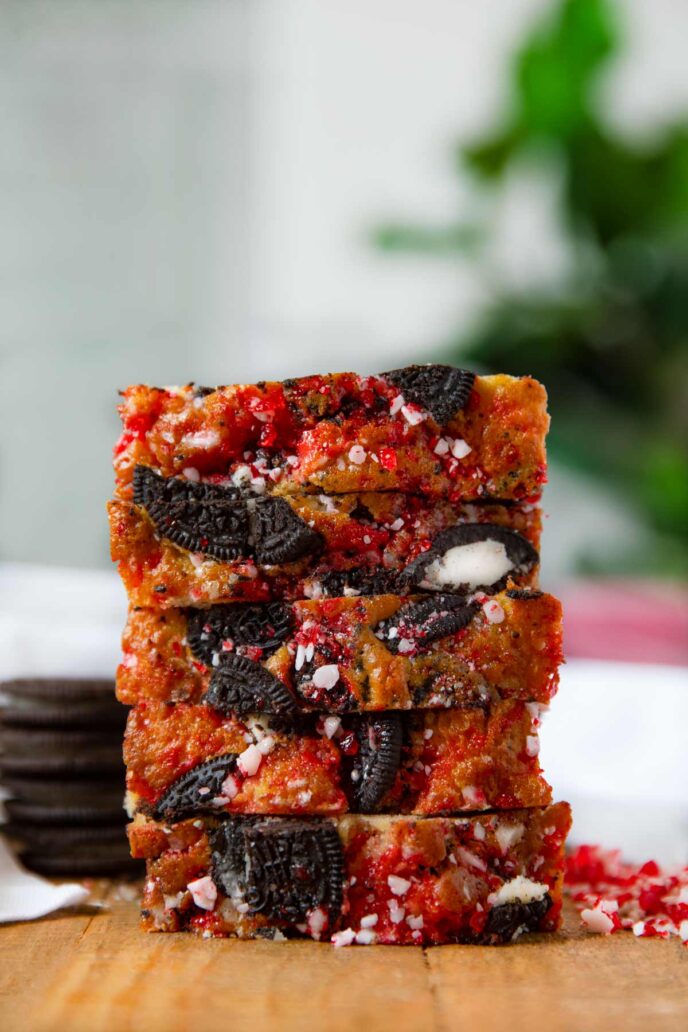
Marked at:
<point>95,972</point>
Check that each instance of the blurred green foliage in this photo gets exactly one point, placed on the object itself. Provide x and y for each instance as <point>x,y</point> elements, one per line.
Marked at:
<point>611,341</point>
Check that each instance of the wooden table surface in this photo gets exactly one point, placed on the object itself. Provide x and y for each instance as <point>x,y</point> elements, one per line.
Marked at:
<point>91,970</point>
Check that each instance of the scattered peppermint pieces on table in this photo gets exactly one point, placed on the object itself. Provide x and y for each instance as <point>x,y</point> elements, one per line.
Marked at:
<point>612,894</point>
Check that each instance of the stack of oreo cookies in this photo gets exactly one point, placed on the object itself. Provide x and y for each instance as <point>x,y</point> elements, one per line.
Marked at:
<point>62,775</point>
<point>336,657</point>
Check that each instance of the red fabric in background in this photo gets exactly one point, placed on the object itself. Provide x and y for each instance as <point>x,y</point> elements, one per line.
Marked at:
<point>629,621</point>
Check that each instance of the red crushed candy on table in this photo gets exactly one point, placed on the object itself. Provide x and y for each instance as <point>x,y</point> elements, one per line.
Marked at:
<point>611,894</point>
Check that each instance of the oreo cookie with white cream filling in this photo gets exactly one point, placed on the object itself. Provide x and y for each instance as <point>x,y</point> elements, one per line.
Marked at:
<point>472,557</point>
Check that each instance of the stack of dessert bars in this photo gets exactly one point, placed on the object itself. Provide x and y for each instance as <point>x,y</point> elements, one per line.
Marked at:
<point>337,657</point>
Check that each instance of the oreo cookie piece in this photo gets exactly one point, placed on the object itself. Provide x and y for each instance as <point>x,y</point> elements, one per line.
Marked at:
<point>199,791</point>
<point>67,850</point>
<point>524,594</point>
<point>419,623</point>
<point>38,752</point>
<point>46,814</point>
<point>472,557</point>
<point>375,764</point>
<point>60,702</point>
<point>280,535</point>
<point>281,868</point>
<point>41,838</point>
<point>223,523</point>
<point>51,794</point>
<point>88,859</point>
<point>337,583</point>
<point>65,690</point>
<point>441,390</point>
<point>81,715</point>
<point>61,766</point>
<point>263,627</point>
<point>240,686</point>
<point>198,517</point>
<point>508,919</point>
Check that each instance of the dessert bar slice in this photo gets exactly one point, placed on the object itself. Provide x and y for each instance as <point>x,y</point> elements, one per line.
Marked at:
<point>433,430</point>
<point>179,543</point>
<point>186,760</point>
<point>346,654</point>
<point>398,880</point>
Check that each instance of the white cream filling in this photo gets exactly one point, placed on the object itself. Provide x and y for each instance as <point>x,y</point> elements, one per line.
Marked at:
<point>481,562</point>
<point>518,890</point>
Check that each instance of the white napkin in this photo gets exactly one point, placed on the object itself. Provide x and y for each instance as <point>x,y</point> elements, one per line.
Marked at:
<point>24,896</point>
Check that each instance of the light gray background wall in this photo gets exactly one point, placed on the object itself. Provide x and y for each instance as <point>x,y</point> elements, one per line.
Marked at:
<point>185,189</point>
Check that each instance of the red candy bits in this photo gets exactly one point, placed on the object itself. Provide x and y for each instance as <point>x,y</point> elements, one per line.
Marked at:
<point>613,894</point>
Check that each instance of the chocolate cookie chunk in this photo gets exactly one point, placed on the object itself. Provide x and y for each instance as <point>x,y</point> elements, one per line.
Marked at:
<point>240,686</point>
<point>37,752</point>
<point>60,702</point>
<point>198,791</point>
<point>282,868</point>
<point>508,919</point>
<point>375,764</point>
<point>472,557</point>
<point>224,628</point>
<point>419,623</point>
<point>441,390</point>
<point>280,535</point>
<point>22,812</point>
<point>360,581</point>
<point>221,522</point>
<point>53,794</point>
<point>72,851</point>
<point>198,517</point>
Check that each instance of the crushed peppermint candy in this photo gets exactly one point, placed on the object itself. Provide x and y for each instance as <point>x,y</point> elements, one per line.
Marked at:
<point>460,449</point>
<point>357,454</point>
<point>366,937</point>
<point>413,415</point>
<point>399,886</point>
<point>331,726</point>
<point>266,745</point>
<point>532,745</point>
<point>602,918</point>
<point>326,676</point>
<point>201,439</point>
<point>317,919</point>
<point>473,797</point>
<point>250,760</point>
<point>397,913</point>
<point>204,892</point>
<point>300,657</point>
<point>343,938</point>
<point>612,894</point>
<point>230,787</point>
<point>494,613</point>
<point>507,835</point>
